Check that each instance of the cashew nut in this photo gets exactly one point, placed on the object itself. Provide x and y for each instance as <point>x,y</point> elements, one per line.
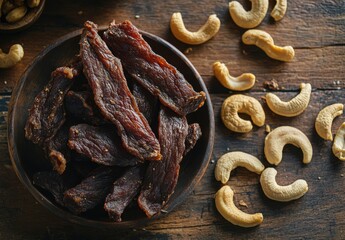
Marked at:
<point>33,3</point>
<point>7,6</point>
<point>323,122</point>
<point>15,54</point>
<point>338,147</point>
<point>239,103</point>
<point>224,200</point>
<point>249,19</point>
<point>293,107</point>
<point>16,14</point>
<point>205,33</point>
<point>279,10</point>
<point>241,83</point>
<point>279,137</point>
<point>232,160</point>
<point>281,193</point>
<point>264,41</point>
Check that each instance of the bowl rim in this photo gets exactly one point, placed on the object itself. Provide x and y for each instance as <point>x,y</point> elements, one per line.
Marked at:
<point>63,214</point>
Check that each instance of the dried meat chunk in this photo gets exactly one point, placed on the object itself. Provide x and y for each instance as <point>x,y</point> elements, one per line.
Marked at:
<point>47,113</point>
<point>100,144</point>
<point>161,177</point>
<point>194,133</point>
<point>91,191</point>
<point>152,71</point>
<point>124,191</point>
<point>112,96</point>
<point>80,106</point>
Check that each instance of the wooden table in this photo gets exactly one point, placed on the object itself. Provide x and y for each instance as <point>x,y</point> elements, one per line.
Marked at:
<point>316,29</point>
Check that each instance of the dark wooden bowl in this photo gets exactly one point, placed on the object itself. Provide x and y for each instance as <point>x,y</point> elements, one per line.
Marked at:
<point>27,158</point>
<point>31,16</point>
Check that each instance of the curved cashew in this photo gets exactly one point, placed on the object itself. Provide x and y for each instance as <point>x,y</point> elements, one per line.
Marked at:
<point>15,54</point>
<point>224,200</point>
<point>249,19</point>
<point>279,10</point>
<point>239,103</point>
<point>205,33</point>
<point>281,193</point>
<point>323,122</point>
<point>232,160</point>
<point>241,83</point>
<point>338,147</point>
<point>264,41</point>
<point>293,107</point>
<point>279,137</point>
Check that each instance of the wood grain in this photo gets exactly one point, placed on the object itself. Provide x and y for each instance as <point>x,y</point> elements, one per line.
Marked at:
<point>317,31</point>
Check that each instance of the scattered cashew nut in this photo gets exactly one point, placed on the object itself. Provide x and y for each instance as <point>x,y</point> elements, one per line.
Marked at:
<point>249,19</point>
<point>16,14</point>
<point>338,147</point>
<point>323,122</point>
<point>293,107</point>
<point>279,10</point>
<point>239,103</point>
<point>281,193</point>
<point>264,41</point>
<point>279,137</point>
<point>224,200</point>
<point>232,160</point>
<point>205,33</point>
<point>15,54</point>
<point>241,83</point>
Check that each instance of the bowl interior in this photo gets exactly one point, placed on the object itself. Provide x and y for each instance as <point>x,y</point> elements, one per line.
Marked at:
<point>28,159</point>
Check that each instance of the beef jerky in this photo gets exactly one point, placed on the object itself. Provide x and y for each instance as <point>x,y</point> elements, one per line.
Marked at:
<point>123,192</point>
<point>80,106</point>
<point>152,71</point>
<point>100,144</point>
<point>194,133</point>
<point>113,98</point>
<point>47,113</point>
<point>161,177</point>
<point>91,191</point>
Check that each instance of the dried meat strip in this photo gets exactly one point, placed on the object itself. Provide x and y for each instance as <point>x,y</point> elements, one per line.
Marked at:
<point>47,113</point>
<point>91,191</point>
<point>124,191</point>
<point>152,71</point>
<point>113,98</point>
<point>161,177</point>
<point>194,133</point>
<point>100,144</point>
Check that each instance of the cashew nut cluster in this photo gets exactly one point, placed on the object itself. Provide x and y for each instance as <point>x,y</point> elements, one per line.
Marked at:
<point>279,137</point>
<point>239,103</point>
<point>232,160</point>
<point>323,122</point>
<point>241,83</point>
<point>15,10</point>
<point>14,56</point>
<point>248,19</point>
<point>293,107</point>
<point>224,200</point>
<point>281,193</point>
<point>279,10</point>
<point>205,33</point>
<point>264,41</point>
<point>338,147</point>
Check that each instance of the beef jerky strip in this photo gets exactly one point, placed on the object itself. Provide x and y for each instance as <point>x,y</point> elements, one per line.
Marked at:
<point>194,133</point>
<point>152,71</point>
<point>80,105</point>
<point>100,144</point>
<point>113,98</point>
<point>47,113</point>
<point>123,192</point>
<point>91,191</point>
<point>161,177</point>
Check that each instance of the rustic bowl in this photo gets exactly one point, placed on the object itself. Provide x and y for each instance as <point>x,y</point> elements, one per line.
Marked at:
<point>27,158</point>
<point>31,16</point>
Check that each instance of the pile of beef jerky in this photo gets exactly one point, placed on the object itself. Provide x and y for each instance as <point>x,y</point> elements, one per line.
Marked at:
<point>113,124</point>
